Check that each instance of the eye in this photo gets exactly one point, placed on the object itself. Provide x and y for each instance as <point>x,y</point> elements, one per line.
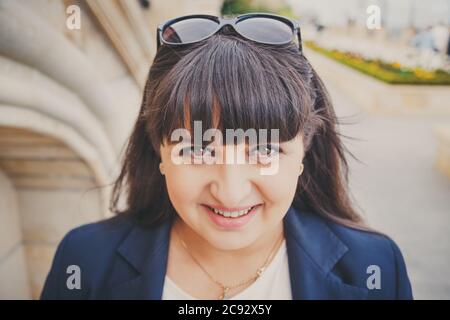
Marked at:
<point>196,151</point>
<point>265,151</point>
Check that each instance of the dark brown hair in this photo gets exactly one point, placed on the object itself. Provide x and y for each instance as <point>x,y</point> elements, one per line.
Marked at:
<point>250,85</point>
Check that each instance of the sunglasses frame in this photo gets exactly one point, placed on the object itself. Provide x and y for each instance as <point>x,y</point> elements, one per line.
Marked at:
<point>233,21</point>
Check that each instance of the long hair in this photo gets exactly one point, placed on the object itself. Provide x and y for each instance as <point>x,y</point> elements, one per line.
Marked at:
<point>249,85</point>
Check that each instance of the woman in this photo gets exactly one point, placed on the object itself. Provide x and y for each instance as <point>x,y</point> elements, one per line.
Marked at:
<point>197,224</point>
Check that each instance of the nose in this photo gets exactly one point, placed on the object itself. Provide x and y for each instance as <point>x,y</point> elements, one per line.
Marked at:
<point>231,186</point>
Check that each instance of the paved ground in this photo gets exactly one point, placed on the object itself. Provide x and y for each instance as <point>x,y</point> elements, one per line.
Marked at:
<point>400,191</point>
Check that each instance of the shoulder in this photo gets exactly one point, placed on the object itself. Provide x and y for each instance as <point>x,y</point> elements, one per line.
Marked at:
<point>349,257</point>
<point>90,248</point>
<point>373,260</point>
<point>105,232</point>
<point>95,240</point>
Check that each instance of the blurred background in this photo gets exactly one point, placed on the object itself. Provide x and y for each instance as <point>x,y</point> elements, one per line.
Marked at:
<point>71,81</point>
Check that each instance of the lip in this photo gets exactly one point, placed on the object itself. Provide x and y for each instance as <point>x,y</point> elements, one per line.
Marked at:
<point>231,209</point>
<point>231,223</point>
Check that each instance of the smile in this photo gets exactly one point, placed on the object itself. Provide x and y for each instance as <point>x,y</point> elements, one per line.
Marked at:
<point>233,213</point>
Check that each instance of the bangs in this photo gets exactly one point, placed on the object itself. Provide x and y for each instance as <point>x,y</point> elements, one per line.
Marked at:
<point>231,83</point>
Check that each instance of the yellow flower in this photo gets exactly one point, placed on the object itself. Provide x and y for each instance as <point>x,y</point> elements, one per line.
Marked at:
<point>423,74</point>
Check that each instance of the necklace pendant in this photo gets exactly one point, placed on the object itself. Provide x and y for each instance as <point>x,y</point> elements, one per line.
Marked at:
<point>224,292</point>
<point>260,272</point>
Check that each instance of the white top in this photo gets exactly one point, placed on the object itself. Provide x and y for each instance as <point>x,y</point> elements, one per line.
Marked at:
<point>274,283</point>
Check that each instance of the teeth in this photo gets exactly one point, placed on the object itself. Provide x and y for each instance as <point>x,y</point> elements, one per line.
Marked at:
<point>232,214</point>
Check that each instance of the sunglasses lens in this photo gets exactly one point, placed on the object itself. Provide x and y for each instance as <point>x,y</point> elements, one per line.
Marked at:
<point>189,30</point>
<point>266,30</point>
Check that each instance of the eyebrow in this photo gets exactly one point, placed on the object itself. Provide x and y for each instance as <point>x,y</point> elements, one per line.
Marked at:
<point>208,143</point>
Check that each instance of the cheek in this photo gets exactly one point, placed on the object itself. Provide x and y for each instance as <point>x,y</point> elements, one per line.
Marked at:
<point>184,187</point>
<point>285,182</point>
<point>280,188</point>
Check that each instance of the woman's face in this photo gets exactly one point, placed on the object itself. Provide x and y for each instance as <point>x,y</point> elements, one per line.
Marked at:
<point>233,188</point>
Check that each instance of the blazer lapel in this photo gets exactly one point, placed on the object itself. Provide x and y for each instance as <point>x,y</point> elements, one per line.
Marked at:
<point>146,250</point>
<point>313,250</point>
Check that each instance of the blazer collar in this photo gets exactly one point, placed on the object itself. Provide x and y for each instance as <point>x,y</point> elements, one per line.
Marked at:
<point>313,250</point>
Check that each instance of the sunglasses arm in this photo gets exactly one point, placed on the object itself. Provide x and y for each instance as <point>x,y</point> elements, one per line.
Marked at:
<point>300,47</point>
<point>158,38</point>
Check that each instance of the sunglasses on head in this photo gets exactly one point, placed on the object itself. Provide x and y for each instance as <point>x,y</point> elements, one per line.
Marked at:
<point>258,27</point>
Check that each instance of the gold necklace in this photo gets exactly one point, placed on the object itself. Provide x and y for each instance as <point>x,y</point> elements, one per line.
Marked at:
<point>227,288</point>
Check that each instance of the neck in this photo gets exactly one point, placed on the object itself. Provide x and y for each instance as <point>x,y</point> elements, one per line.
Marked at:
<point>250,258</point>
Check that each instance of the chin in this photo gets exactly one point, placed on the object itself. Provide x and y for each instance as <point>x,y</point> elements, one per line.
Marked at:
<point>231,241</point>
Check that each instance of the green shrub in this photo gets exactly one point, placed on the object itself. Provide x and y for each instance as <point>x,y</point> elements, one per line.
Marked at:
<point>235,7</point>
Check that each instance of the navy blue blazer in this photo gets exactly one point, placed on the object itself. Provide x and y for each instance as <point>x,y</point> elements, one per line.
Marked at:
<point>119,259</point>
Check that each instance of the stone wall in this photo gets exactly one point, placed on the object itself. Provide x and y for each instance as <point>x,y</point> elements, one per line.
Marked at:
<point>68,100</point>
<point>14,281</point>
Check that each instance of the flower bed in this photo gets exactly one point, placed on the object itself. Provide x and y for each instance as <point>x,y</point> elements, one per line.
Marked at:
<point>392,73</point>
